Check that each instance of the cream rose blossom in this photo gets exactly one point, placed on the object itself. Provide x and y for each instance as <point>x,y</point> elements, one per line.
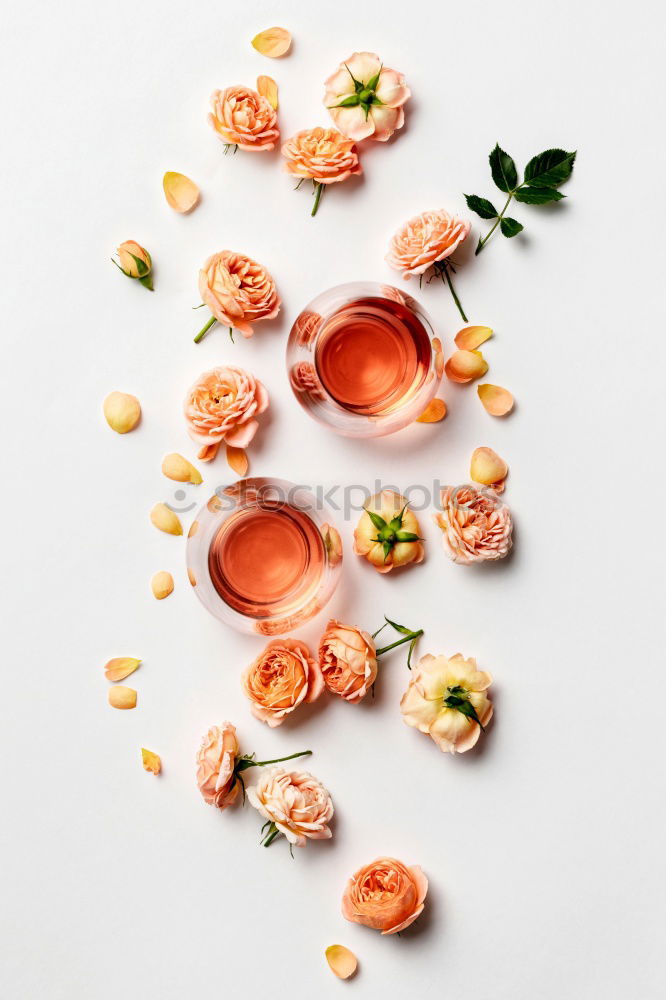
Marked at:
<point>283,677</point>
<point>293,803</point>
<point>385,895</point>
<point>365,98</point>
<point>241,117</point>
<point>223,405</point>
<point>387,534</point>
<point>238,291</point>
<point>446,698</point>
<point>216,761</point>
<point>475,524</point>
<point>322,155</point>
<point>348,661</point>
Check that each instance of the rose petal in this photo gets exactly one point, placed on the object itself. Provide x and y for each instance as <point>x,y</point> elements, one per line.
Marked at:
<point>151,761</point>
<point>471,337</point>
<point>488,468</point>
<point>122,697</point>
<point>237,460</point>
<point>208,452</point>
<point>161,585</point>
<point>464,366</point>
<point>165,519</point>
<point>122,411</point>
<point>268,88</point>
<point>434,411</point>
<point>181,193</point>
<point>497,401</point>
<point>120,667</point>
<point>341,960</point>
<point>273,42</point>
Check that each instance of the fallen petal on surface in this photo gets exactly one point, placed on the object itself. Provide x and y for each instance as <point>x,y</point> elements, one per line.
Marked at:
<point>237,460</point>
<point>341,960</point>
<point>181,193</point>
<point>175,467</point>
<point>122,697</point>
<point>122,412</point>
<point>434,411</point>
<point>471,337</point>
<point>120,667</point>
<point>488,468</point>
<point>161,585</point>
<point>273,42</point>
<point>464,366</point>
<point>151,761</point>
<point>497,401</point>
<point>165,519</point>
<point>267,87</point>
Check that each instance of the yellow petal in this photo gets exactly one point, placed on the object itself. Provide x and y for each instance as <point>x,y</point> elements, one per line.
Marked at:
<point>273,42</point>
<point>165,519</point>
<point>268,88</point>
<point>191,577</point>
<point>464,366</point>
<point>488,468</point>
<point>122,411</point>
<point>181,193</point>
<point>175,467</point>
<point>342,961</point>
<point>120,667</point>
<point>151,761</point>
<point>122,697</point>
<point>497,401</point>
<point>434,411</point>
<point>471,337</point>
<point>237,459</point>
<point>161,585</point>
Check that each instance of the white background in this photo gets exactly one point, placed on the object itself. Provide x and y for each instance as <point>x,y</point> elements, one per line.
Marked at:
<point>544,850</point>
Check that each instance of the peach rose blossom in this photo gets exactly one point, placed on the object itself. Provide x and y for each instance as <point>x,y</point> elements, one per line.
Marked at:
<point>284,676</point>
<point>372,96</point>
<point>476,525</point>
<point>386,895</point>
<point>446,698</point>
<point>425,240</point>
<point>347,660</point>
<point>323,155</point>
<point>238,291</point>
<point>242,117</point>
<point>215,766</point>
<point>295,802</point>
<point>394,544</point>
<point>222,405</point>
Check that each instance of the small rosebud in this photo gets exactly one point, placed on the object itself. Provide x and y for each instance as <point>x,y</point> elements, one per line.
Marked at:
<point>135,262</point>
<point>175,467</point>
<point>165,519</point>
<point>122,411</point>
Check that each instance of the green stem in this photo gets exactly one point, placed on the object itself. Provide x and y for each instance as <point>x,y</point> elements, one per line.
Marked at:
<point>399,642</point>
<point>455,297</point>
<point>319,187</point>
<point>278,760</point>
<point>483,242</point>
<point>204,330</point>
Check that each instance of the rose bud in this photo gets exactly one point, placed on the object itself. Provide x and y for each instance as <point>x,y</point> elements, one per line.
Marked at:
<point>135,262</point>
<point>386,895</point>
<point>387,534</point>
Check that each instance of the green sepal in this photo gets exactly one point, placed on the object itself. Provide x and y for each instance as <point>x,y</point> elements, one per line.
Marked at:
<point>407,536</point>
<point>147,281</point>
<point>387,546</point>
<point>349,102</point>
<point>458,699</point>
<point>141,265</point>
<point>374,80</point>
<point>377,520</point>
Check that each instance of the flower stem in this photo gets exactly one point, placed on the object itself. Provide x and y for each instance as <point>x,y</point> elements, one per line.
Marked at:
<point>455,297</point>
<point>204,330</point>
<point>319,188</point>
<point>399,642</point>
<point>278,760</point>
<point>499,218</point>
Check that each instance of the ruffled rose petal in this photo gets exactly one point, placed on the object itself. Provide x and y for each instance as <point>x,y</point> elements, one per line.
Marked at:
<point>273,42</point>
<point>343,962</point>
<point>434,411</point>
<point>488,468</point>
<point>237,460</point>
<point>471,337</point>
<point>465,366</point>
<point>497,401</point>
<point>268,88</point>
<point>181,193</point>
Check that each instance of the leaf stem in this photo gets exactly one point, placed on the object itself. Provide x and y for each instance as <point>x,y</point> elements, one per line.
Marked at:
<point>399,642</point>
<point>204,330</point>
<point>319,188</point>
<point>498,220</point>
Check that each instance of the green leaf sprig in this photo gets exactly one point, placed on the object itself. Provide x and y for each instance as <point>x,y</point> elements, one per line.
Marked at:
<point>543,176</point>
<point>408,635</point>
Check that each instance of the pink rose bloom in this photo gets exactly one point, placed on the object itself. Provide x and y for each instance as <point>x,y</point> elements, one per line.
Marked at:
<point>365,99</point>
<point>222,406</point>
<point>243,118</point>
<point>386,895</point>
<point>321,154</point>
<point>283,677</point>
<point>296,802</point>
<point>238,291</point>
<point>347,660</point>
<point>425,240</point>
<point>215,766</point>
<point>476,525</point>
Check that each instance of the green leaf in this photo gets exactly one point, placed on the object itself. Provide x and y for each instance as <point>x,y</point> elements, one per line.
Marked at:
<point>377,520</point>
<point>349,102</point>
<point>481,206</point>
<point>537,195</point>
<point>510,227</point>
<point>550,168</point>
<point>399,628</point>
<point>503,170</point>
